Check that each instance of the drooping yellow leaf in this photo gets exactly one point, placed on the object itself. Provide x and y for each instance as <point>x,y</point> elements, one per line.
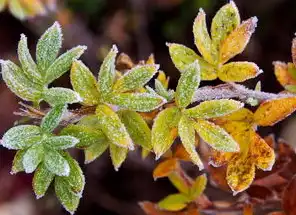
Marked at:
<point>238,71</point>
<point>282,74</point>
<point>165,168</point>
<point>272,111</point>
<point>118,155</point>
<point>240,173</point>
<point>261,152</point>
<point>236,42</point>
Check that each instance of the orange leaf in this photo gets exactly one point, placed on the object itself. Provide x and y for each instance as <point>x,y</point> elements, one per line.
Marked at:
<point>272,111</point>
<point>165,168</point>
<point>270,140</point>
<point>248,209</point>
<point>218,158</point>
<point>282,74</point>
<point>181,153</point>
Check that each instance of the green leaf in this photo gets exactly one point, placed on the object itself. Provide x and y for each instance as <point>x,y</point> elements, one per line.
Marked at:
<point>84,83</point>
<point>48,47</point>
<point>164,130</point>
<point>16,9</point>
<point>118,155</point>
<point>215,136</point>
<point>187,134</point>
<point>183,56</point>
<point>59,95</point>
<point>52,119</point>
<point>66,196</point>
<point>162,91</point>
<point>187,85</point>
<point>179,182</point>
<point>135,78</point>
<point>21,137</point>
<point>94,151</point>
<point>28,65</point>
<point>198,186</point>
<point>112,127</point>
<point>142,102</point>
<point>56,163</point>
<point>107,73</point>
<point>61,142</point>
<point>291,88</point>
<point>63,63</point>
<point>202,38</point>
<point>19,83</point>
<point>33,156</point>
<point>214,108</point>
<point>174,202</point>
<point>136,127</point>
<point>224,22</point>
<point>41,181</point>
<point>17,164</point>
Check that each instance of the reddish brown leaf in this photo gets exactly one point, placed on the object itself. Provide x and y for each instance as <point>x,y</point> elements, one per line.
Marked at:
<point>289,198</point>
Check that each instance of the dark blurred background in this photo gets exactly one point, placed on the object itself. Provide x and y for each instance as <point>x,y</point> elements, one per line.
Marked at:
<point>139,28</point>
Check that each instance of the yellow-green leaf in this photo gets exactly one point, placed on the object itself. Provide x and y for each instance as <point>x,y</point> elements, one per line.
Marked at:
<point>180,182</point>
<point>42,180</point>
<point>118,155</point>
<point>17,164</point>
<point>174,202</point>
<point>198,187</point>
<point>94,151</point>
<point>2,4</point>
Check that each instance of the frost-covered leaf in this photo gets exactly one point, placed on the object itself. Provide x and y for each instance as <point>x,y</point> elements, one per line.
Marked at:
<point>281,71</point>
<point>33,156</point>
<point>240,173</point>
<point>118,155</point>
<point>52,119</point>
<point>214,108</point>
<point>215,136</point>
<point>187,85</point>
<point>198,186</point>
<point>61,142</point>
<point>19,83</point>
<point>165,168</point>
<point>135,78</point>
<point>202,38</point>
<point>17,164</point>
<point>84,83</point>
<point>164,130</point>
<point>63,63</point>
<point>107,73</point>
<point>238,71</point>
<point>163,92</point>
<point>41,181</point>
<point>236,42</point>
<point>224,22</point>
<point>174,202</point>
<point>95,150</point>
<point>59,95</point>
<point>48,47</point>
<point>187,134</point>
<point>66,196</point>
<point>112,127</point>
<point>136,127</point>
<point>28,65</point>
<point>21,137</point>
<point>273,111</point>
<point>56,163</point>
<point>142,102</point>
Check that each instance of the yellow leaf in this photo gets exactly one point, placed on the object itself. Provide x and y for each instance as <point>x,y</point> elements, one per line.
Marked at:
<point>238,71</point>
<point>282,74</point>
<point>261,152</point>
<point>202,38</point>
<point>165,168</point>
<point>248,209</point>
<point>174,202</point>
<point>3,4</point>
<point>198,186</point>
<point>236,42</point>
<point>240,173</point>
<point>272,111</point>
<point>218,158</point>
<point>118,155</point>
<point>163,79</point>
<point>182,183</point>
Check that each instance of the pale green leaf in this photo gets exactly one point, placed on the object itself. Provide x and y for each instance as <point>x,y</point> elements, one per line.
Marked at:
<point>187,85</point>
<point>198,186</point>
<point>61,142</point>
<point>164,130</point>
<point>95,150</point>
<point>21,137</point>
<point>179,182</point>
<point>136,127</point>
<point>84,83</point>
<point>118,155</point>
<point>56,163</point>
<point>17,164</point>
<point>48,47</point>
<point>112,127</point>
<point>107,73</point>
<point>19,83</point>
<point>214,108</point>
<point>187,134</point>
<point>224,22</point>
<point>52,119</point>
<point>215,136</point>
<point>42,180</point>
<point>63,63</point>
<point>174,202</point>
<point>142,102</point>
<point>28,65</point>
<point>135,78</point>
<point>33,156</point>
<point>16,9</point>
<point>59,95</point>
<point>162,91</point>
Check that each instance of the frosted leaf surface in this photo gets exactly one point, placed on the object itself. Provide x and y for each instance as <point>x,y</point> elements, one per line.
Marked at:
<point>17,164</point>
<point>41,181</point>
<point>56,163</point>
<point>118,155</point>
<point>52,119</point>
<point>95,150</point>
<point>33,156</point>
<point>61,142</point>
<point>59,95</point>
<point>162,91</point>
